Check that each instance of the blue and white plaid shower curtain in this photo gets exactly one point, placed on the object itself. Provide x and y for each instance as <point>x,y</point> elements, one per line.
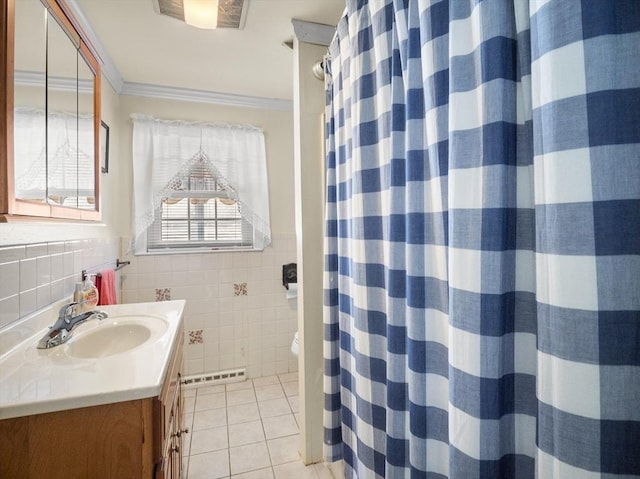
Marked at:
<point>482,278</point>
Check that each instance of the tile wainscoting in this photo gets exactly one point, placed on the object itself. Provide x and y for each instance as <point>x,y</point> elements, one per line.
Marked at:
<point>237,313</point>
<point>33,276</point>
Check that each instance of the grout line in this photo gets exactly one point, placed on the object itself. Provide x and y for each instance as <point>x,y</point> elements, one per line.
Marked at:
<point>227,404</point>
<point>226,412</point>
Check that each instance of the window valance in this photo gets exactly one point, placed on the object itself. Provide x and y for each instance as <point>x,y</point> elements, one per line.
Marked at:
<point>234,154</point>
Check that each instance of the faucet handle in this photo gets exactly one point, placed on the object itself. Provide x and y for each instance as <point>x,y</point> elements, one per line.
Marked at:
<point>100,315</point>
<point>67,311</point>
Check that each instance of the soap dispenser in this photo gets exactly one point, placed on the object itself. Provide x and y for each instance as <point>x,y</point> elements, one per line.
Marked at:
<point>89,294</point>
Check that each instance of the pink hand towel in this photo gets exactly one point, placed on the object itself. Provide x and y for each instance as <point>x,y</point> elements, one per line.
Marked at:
<point>106,284</point>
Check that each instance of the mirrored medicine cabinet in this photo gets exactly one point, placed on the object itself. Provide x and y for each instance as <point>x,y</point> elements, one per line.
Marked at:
<point>50,128</point>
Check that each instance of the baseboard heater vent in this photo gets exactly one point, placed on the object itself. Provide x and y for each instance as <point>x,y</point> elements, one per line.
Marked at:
<point>222,377</point>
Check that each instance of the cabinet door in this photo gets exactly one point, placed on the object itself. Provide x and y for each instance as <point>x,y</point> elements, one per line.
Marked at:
<point>176,464</point>
<point>50,120</point>
<point>170,445</point>
<point>30,102</point>
<point>180,429</point>
<point>160,471</point>
<point>170,412</point>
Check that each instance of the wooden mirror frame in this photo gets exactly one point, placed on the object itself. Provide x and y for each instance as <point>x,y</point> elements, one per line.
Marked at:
<point>12,209</point>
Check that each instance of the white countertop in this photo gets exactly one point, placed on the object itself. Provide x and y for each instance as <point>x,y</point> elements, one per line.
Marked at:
<point>34,381</point>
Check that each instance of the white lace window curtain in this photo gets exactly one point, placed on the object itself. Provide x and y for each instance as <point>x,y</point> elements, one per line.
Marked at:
<point>69,171</point>
<point>164,148</point>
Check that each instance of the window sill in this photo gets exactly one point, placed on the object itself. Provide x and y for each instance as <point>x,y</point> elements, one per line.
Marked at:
<point>197,251</point>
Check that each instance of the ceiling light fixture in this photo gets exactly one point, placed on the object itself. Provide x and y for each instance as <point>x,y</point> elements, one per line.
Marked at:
<point>201,13</point>
<point>205,13</point>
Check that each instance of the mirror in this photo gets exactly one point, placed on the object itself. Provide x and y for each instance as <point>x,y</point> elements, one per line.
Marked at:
<point>56,115</point>
<point>86,137</point>
<point>30,100</point>
<point>62,117</point>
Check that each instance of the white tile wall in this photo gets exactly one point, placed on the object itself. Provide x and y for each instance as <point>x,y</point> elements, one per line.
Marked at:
<point>252,331</point>
<point>33,276</point>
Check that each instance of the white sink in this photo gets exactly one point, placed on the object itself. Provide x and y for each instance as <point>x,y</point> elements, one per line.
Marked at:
<point>114,335</point>
<point>120,358</point>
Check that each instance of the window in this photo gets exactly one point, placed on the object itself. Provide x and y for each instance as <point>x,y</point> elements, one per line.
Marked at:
<point>198,186</point>
<point>198,211</point>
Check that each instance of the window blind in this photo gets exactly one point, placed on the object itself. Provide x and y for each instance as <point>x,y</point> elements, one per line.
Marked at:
<point>199,212</point>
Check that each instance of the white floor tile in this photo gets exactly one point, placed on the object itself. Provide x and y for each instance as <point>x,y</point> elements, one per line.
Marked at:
<point>249,458</point>
<point>210,465</point>
<point>240,385</point>
<point>241,396</point>
<point>209,440</point>
<point>266,381</point>
<point>290,388</point>
<point>274,407</point>
<point>294,470</point>
<point>274,391</point>
<point>294,403</point>
<point>209,418</point>
<point>185,466</point>
<point>285,378</point>
<point>243,413</point>
<point>280,426</point>
<point>210,401</point>
<point>245,433</point>
<point>215,389</point>
<point>337,469</point>
<point>229,430</point>
<point>266,473</point>
<point>323,471</point>
<point>283,449</point>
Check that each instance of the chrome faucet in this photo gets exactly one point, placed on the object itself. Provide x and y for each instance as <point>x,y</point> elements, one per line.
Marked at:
<point>67,321</point>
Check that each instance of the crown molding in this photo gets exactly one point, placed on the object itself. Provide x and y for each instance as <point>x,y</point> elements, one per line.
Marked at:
<point>109,69</point>
<point>122,87</point>
<point>203,96</point>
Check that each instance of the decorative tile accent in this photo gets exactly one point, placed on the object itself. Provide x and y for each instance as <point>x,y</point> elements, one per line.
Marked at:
<point>240,289</point>
<point>163,294</point>
<point>196,336</point>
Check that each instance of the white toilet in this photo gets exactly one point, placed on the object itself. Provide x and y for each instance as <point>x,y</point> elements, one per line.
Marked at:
<point>295,344</point>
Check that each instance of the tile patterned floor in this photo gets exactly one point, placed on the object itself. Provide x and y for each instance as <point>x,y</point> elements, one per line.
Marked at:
<point>246,430</point>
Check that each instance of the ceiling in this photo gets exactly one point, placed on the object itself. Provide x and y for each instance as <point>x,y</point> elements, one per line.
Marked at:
<point>159,50</point>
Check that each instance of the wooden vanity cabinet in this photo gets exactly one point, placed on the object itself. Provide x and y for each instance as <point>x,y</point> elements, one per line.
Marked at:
<point>169,411</point>
<point>134,439</point>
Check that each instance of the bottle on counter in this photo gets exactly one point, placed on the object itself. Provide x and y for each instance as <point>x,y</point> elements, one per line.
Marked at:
<point>89,294</point>
<point>78,297</point>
